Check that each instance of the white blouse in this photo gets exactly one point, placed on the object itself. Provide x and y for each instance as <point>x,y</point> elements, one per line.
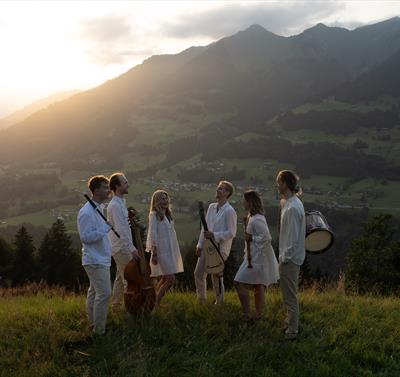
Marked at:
<point>162,235</point>
<point>265,265</point>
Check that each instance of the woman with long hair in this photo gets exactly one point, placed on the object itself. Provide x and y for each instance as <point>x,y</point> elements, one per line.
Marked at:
<point>259,267</point>
<point>166,260</point>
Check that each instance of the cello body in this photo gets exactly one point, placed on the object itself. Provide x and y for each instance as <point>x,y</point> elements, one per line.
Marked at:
<point>140,296</point>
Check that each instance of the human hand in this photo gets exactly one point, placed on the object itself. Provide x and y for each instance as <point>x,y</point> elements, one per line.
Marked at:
<point>198,251</point>
<point>208,234</point>
<point>248,237</point>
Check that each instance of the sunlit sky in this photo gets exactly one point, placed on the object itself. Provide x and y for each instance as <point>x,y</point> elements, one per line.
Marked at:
<point>49,46</point>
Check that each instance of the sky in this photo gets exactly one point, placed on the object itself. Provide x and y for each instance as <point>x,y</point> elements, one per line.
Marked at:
<point>51,46</point>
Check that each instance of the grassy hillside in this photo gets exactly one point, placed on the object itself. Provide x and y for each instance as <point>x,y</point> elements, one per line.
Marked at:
<point>47,335</point>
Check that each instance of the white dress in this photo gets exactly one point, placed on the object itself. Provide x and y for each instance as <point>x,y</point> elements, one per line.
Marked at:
<point>265,266</point>
<point>162,235</point>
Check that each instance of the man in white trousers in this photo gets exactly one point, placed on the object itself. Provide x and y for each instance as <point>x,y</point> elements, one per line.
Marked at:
<point>122,248</point>
<point>221,220</point>
<point>96,254</point>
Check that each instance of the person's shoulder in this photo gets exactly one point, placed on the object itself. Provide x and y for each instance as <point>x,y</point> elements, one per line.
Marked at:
<point>258,218</point>
<point>296,207</point>
<point>112,204</point>
<point>212,206</point>
<point>230,208</point>
<point>298,204</point>
<point>85,210</point>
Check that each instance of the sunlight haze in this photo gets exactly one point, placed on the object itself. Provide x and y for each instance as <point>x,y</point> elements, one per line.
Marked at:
<point>53,46</point>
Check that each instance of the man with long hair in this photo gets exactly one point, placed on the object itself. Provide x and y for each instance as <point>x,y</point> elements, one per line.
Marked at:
<point>292,235</point>
<point>221,221</point>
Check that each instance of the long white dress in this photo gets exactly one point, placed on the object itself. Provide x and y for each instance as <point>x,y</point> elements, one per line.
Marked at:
<point>265,266</point>
<point>162,235</point>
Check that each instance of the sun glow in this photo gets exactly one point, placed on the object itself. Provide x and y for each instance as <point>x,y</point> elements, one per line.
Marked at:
<point>45,49</point>
<point>48,46</point>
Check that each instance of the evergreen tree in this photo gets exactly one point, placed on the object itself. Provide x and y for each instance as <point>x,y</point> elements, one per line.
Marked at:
<point>6,256</point>
<point>373,261</point>
<point>59,264</point>
<point>23,266</point>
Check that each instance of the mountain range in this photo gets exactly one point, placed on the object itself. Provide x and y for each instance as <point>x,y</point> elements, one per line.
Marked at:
<point>245,79</point>
<point>21,114</point>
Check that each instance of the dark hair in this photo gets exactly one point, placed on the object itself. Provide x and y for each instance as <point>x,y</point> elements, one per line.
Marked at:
<point>96,181</point>
<point>291,179</point>
<point>115,181</point>
<point>228,187</point>
<point>255,203</point>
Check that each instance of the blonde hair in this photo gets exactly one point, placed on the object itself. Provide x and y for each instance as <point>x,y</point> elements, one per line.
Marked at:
<point>228,186</point>
<point>155,205</point>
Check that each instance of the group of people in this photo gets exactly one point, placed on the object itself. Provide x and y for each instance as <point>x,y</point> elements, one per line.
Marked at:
<point>259,268</point>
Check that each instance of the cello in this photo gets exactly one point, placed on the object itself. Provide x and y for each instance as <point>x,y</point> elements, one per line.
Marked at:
<point>140,295</point>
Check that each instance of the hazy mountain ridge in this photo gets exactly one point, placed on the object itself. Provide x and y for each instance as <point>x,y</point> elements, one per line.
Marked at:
<point>252,73</point>
<point>26,111</point>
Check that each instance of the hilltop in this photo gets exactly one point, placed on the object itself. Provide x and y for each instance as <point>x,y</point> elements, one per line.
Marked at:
<point>340,336</point>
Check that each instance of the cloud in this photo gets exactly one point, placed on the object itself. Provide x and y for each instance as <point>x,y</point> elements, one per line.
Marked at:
<point>108,29</point>
<point>282,18</point>
<point>111,40</point>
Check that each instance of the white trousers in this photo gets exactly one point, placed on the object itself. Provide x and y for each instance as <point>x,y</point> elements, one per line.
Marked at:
<point>289,282</point>
<point>200,279</point>
<point>98,296</point>
<point>121,260</point>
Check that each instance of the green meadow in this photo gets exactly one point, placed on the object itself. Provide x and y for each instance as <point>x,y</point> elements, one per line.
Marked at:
<point>46,334</point>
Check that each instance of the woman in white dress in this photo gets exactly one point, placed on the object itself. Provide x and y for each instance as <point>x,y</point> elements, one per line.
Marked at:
<point>260,268</point>
<point>166,260</point>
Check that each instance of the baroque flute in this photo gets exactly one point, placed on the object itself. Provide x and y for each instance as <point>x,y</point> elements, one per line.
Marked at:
<point>93,204</point>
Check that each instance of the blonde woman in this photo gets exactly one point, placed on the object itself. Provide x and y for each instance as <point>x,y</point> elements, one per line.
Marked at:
<point>259,267</point>
<point>166,260</point>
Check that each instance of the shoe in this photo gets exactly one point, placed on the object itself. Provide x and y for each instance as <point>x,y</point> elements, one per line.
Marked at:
<point>290,335</point>
<point>218,302</point>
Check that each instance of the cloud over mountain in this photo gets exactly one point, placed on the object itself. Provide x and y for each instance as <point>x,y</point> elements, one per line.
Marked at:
<point>111,39</point>
<point>281,18</point>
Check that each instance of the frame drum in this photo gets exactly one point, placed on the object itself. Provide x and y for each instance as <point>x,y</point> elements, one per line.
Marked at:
<point>319,236</point>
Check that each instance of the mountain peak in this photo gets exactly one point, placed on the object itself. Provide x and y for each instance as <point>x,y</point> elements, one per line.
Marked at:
<point>256,29</point>
<point>322,28</point>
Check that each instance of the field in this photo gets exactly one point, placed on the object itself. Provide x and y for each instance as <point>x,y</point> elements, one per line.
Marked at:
<point>160,124</point>
<point>47,335</point>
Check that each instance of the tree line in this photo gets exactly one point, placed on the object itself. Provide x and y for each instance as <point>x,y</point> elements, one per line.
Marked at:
<point>371,259</point>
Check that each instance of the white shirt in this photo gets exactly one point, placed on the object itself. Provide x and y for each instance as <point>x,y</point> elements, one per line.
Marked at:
<point>117,215</point>
<point>222,224</point>
<point>96,248</point>
<point>293,232</point>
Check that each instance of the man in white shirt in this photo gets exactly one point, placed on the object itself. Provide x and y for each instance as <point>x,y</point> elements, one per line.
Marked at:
<point>291,247</point>
<point>96,254</point>
<point>221,220</point>
<point>122,248</point>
